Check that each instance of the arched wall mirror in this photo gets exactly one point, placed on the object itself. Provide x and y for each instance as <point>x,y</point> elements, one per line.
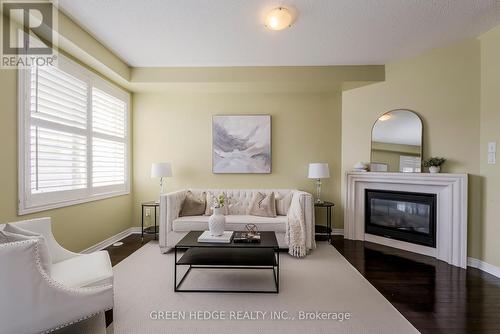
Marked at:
<point>397,142</point>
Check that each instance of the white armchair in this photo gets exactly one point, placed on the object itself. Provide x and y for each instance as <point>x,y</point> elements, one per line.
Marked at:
<point>32,301</point>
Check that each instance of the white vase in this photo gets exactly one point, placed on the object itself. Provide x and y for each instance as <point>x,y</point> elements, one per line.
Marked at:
<point>434,169</point>
<point>217,222</point>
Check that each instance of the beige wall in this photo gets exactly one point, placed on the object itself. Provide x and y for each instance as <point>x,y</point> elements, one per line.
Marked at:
<point>443,87</point>
<point>177,128</point>
<point>490,131</point>
<point>75,227</point>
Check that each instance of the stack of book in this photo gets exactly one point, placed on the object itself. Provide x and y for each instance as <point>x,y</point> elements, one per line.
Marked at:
<point>246,237</point>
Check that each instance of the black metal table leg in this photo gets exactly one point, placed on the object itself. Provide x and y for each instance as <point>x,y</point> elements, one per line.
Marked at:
<point>175,269</point>
<point>155,223</point>
<point>329,224</point>
<point>278,270</point>
<point>142,224</point>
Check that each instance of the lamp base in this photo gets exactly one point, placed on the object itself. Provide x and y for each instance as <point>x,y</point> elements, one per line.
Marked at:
<point>319,201</point>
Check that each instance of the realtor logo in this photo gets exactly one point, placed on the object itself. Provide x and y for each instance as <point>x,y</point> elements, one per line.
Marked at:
<point>27,33</point>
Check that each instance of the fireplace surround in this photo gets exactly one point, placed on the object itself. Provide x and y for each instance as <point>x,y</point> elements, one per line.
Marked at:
<point>451,210</point>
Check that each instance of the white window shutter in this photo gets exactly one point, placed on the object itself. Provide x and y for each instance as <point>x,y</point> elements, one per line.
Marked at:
<point>108,154</point>
<point>108,162</point>
<point>73,137</point>
<point>108,114</point>
<point>58,97</point>
<point>58,160</point>
<point>58,153</point>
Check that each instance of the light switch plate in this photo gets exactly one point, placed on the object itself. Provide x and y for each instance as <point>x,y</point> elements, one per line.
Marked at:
<point>492,147</point>
<point>492,158</point>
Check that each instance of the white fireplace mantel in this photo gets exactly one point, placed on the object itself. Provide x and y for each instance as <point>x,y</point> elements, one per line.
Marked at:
<point>451,220</point>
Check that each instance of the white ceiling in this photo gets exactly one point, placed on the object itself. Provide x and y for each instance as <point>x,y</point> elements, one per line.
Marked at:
<point>147,33</point>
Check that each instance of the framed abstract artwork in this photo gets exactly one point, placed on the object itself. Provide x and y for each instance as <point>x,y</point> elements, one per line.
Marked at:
<point>241,144</point>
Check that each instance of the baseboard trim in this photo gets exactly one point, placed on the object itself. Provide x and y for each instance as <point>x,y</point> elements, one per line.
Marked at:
<point>337,231</point>
<point>484,266</point>
<point>111,240</point>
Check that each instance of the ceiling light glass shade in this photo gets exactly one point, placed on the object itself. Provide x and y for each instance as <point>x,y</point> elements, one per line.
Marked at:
<point>384,117</point>
<point>279,19</point>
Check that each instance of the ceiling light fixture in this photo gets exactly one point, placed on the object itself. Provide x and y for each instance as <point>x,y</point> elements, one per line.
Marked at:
<point>279,18</point>
<point>385,117</point>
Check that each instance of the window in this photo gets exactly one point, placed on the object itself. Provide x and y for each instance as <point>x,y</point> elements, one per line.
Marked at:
<point>73,137</point>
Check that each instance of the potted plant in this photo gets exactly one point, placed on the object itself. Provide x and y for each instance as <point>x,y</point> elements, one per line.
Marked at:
<point>434,164</point>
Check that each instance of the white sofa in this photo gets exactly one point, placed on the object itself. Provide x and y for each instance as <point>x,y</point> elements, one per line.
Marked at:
<point>79,286</point>
<point>173,228</point>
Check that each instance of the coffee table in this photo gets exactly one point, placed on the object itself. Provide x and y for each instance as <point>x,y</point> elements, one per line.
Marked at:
<point>201,255</point>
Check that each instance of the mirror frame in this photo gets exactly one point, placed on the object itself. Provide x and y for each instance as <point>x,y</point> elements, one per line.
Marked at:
<point>421,137</point>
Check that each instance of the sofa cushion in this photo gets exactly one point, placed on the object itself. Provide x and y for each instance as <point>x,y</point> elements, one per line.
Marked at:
<point>263,205</point>
<point>86,270</point>
<point>193,205</point>
<point>283,202</point>
<point>233,223</point>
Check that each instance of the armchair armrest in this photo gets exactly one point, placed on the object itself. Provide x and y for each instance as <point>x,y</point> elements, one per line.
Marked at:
<point>170,207</point>
<point>44,227</point>
<point>28,290</point>
<point>306,201</point>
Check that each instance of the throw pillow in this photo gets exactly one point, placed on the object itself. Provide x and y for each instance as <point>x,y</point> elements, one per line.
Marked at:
<point>13,233</point>
<point>263,205</point>
<point>283,203</point>
<point>210,201</point>
<point>193,205</point>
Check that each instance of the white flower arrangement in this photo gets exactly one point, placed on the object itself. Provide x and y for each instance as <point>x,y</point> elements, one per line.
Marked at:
<point>221,201</point>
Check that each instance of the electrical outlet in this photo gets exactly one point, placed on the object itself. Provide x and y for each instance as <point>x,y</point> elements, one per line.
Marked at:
<point>492,158</point>
<point>492,147</point>
<point>148,212</point>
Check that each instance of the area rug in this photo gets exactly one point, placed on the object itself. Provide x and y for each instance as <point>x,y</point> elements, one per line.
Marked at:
<point>321,293</point>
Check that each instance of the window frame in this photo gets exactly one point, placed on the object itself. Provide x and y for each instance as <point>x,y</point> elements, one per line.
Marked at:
<point>30,203</point>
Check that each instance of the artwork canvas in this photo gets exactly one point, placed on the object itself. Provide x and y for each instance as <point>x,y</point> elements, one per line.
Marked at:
<point>241,144</point>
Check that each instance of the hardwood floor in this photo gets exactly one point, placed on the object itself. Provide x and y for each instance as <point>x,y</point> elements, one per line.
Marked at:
<point>130,244</point>
<point>434,296</point>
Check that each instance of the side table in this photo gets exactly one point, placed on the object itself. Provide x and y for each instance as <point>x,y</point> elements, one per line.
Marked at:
<point>150,229</point>
<point>325,229</point>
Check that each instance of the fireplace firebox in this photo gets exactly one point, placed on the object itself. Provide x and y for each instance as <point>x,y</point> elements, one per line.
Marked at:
<point>404,216</point>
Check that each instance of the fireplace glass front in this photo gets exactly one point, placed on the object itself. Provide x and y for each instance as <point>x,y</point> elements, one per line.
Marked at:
<point>404,216</point>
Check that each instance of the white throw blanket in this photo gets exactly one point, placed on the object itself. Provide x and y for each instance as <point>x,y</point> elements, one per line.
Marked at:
<point>295,235</point>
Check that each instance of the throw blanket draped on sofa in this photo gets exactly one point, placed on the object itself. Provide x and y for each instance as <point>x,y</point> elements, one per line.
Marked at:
<point>295,235</point>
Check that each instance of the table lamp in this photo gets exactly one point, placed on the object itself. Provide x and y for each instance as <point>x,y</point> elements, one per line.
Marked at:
<point>318,171</point>
<point>161,170</point>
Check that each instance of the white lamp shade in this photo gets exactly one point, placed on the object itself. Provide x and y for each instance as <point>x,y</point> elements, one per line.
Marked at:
<point>319,171</point>
<point>161,169</point>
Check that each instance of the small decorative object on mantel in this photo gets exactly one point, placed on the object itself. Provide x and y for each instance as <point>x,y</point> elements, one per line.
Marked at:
<point>434,164</point>
<point>360,167</point>
<point>379,167</point>
<point>217,221</point>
